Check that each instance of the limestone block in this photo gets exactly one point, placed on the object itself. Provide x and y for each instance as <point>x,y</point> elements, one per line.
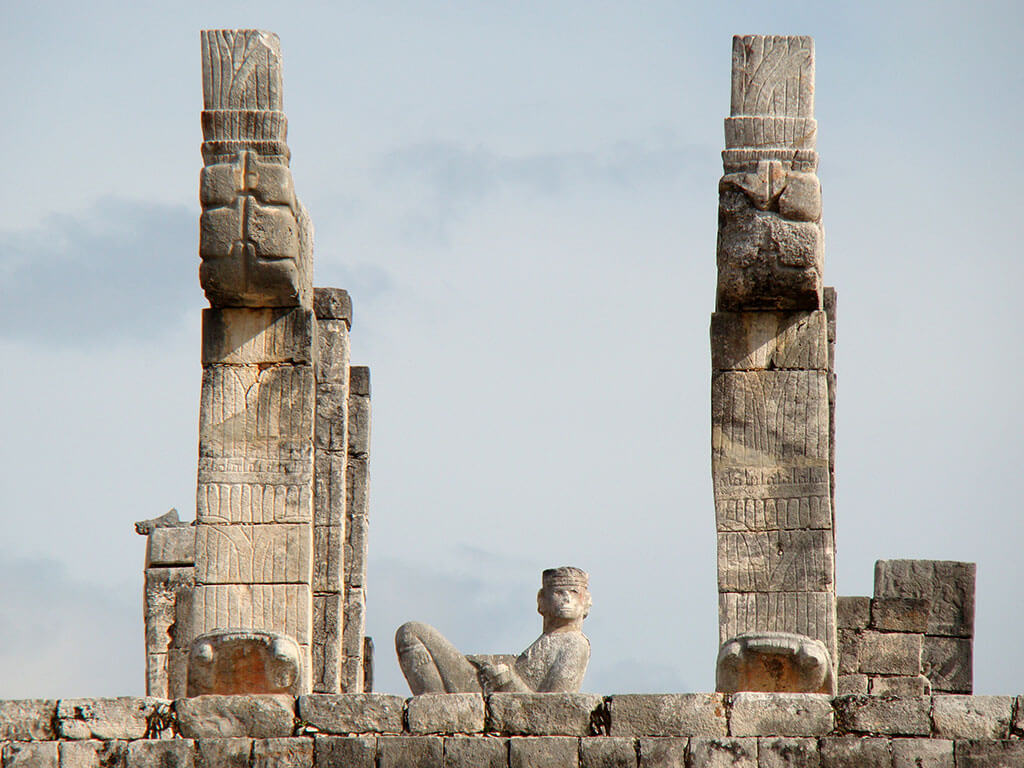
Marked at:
<point>356,546</point>
<point>801,199</point>
<point>353,712</point>
<point>161,753</point>
<point>333,411</point>
<point>345,751</point>
<point>764,131</point>
<point>254,554</point>
<point>171,546</point>
<point>223,753</point>
<point>663,752</point>
<point>723,753</point>
<point>759,341</point>
<point>774,661</point>
<point>410,752</point>
<point>359,380</point>
<point>805,613</point>
<point>282,608</point>
<point>27,719</point>
<point>788,753</point>
<point>776,561</point>
<point>328,568</point>
<point>890,653</point>
<point>900,614</point>
<point>605,752</point>
<point>40,754</point>
<point>177,673</point>
<point>358,424</point>
<point>445,713</point>
<point>855,752</point>
<point>254,497</point>
<point>94,754</point>
<point>354,622</point>
<point>333,352</point>
<point>749,159</point>
<point>536,714</point>
<point>246,662</point>
<point>120,718</point>
<point>326,648</point>
<point>168,607</point>
<point>771,498</point>
<point>948,663</point>
<point>282,753</point>
<point>679,714</point>
<point>773,75</point>
<point>1018,715</point>
<point>332,304</point>
<point>883,715</point>
<point>989,753</point>
<point>947,585</point>
<point>329,484</point>
<point>849,651</point>
<point>972,717</point>
<point>922,753</point>
<point>917,685</point>
<point>241,69</point>
<point>257,336</point>
<point>853,612</point>
<point>543,752</point>
<point>357,483</point>
<point>780,714</point>
<point>852,684</point>
<point>260,716</point>
<point>475,752</point>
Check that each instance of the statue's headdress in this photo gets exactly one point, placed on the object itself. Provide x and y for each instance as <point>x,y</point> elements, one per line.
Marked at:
<point>566,576</point>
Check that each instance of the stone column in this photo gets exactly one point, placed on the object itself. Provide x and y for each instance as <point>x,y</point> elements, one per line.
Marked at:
<point>771,418</point>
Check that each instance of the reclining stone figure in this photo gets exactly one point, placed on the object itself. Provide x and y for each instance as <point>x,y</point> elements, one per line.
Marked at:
<point>555,662</point>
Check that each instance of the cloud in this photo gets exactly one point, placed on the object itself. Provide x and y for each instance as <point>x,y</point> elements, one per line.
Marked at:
<point>121,270</point>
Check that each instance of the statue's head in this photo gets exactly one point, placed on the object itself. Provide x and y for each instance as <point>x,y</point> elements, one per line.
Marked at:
<point>564,594</point>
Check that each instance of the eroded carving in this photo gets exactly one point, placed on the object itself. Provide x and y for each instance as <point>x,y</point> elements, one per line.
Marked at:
<point>774,661</point>
<point>244,661</point>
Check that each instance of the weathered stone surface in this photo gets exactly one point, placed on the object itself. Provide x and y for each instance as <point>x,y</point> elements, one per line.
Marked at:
<point>256,716</point>
<point>676,714</point>
<point>410,752</point>
<point>663,752</point>
<point>246,662</point>
<point>359,380</point>
<point>353,713</point>
<point>332,415</point>
<point>257,336</point>
<point>475,752</point>
<point>889,653</point>
<point>329,480</point>
<point>972,717</point>
<point>801,199</point>
<point>780,714</point>
<point>544,752</point>
<point>772,75</point>
<point>949,663</point>
<point>358,424</point>
<point>804,613</point>
<point>852,684</point>
<point>900,614</point>
<point>788,753</point>
<point>759,341</point>
<point>326,647</point>
<point>171,546</point>
<point>1018,715</point>
<point>120,718</point>
<point>223,753</point>
<point>922,753</point>
<point>40,754</point>
<point>97,754</point>
<point>723,753</point>
<point>855,752</point>
<point>168,607</point>
<point>328,566</point>
<point>849,651</point>
<point>883,715</point>
<point>776,561</point>
<point>446,713</point>
<point>918,685</point>
<point>853,612</point>
<point>947,585</point>
<point>770,498</point>
<point>254,554</point>
<point>346,751</point>
<point>280,608</point>
<point>161,753</point>
<point>604,752</point>
<point>548,714</point>
<point>282,753</point>
<point>332,304</point>
<point>774,661</point>
<point>989,754</point>
<point>27,719</point>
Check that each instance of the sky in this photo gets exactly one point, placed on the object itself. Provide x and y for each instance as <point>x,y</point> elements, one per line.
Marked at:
<point>521,199</point>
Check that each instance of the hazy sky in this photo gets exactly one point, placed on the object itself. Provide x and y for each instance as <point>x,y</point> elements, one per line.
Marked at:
<point>521,199</point>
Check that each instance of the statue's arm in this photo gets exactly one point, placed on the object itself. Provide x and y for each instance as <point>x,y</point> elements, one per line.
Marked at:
<point>504,678</point>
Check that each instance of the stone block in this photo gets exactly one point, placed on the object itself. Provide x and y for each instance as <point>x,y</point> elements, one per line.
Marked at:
<point>328,566</point>
<point>917,685</point>
<point>345,751</point>
<point>605,752</point>
<point>358,425</point>
<point>883,715</point>
<point>972,717</point>
<point>333,352</point>
<point>168,607</point>
<point>889,653</point>
<point>257,336</point>
<point>356,548</point>
<point>329,483</point>
<point>811,614</point>
<point>855,752</point>
<point>663,752</point>
<point>326,647</point>
<point>359,380</point>
<point>357,488</point>
<point>1018,714</point>
<point>410,752</point>
<point>853,612</point>
<point>723,753</point>
<point>177,673</point>
<point>283,608</point>
<point>223,753</point>
<point>989,753</point>
<point>353,712</point>
<point>772,75</point>
<point>852,684</point>
<point>675,714</point>
<point>332,304</point>
<point>215,717</point>
<point>949,663</point>
<point>38,754</point>
<point>947,585</point>
<point>780,714</point>
<point>95,754</point>
<point>900,614</point>
<point>788,753</point>
<point>445,713</point>
<point>282,753</point>
<point>171,546</point>
<point>120,718</point>
<point>27,719</point>
<point>848,643</point>
<point>922,753</point>
<point>254,554</point>
<point>245,661</point>
<point>776,561</point>
<point>769,341</point>
<point>475,752</point>
<point>354,622</point>
<point>543,752</point>
<point>161,753</point>
<point>332,416</point>
<point>547,714</point>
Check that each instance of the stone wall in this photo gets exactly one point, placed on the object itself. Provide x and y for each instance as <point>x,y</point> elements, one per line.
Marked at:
<point>698,730</point>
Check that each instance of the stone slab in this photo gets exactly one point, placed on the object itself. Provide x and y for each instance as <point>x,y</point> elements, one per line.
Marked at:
<point>326,646</point>
<point>359,380</point>
<point>780,714</point>
<point>772,75</point>
<point>282,753</point>
<point>332,304</point>
<point>947,585</point>
<point>537,714</point>
<point>852,684</point>
<point>332,352</point>
<point>788,753</point>
<point>849,651</point>
<point>27,719</point>
<point>677,714</point>
<point>663,752</point>
<point>770,498</point>
<point>358,424</point>
<point>949,663</point>
<point>329,484</point>
<point>761,341</point>
<point>475,752</point>
<point>116,718</point>
<point>39,754</point>
<point>853,612</point>
<point>544,752</point>
<point>353,712</point>
<point>855,752</point>
<point>254,554</point>
<point>889,653</point>
<point>972,717</point>
<point>445,713</point>
<point>410,752</point>
<point>171,546</point>
<point>922,753</point>
<point>168,607</point>
<point>284,608</point>
<point>805,613</point>
<point>161,753</point>
<point>883,715</point>
<point>989,754</point>
<point>917,685</point>
<point>723,753</point>
<point>240,336</point>
<point>345,751</point>
<point>259,716</point>
<point>776,561</point>
<point>332,415</point>
<point>223,753</point>
<point>608,752</point>
<point>900,614</point>
<point>328,562</point>
<point>96,754</point>
<point>282,494</point>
